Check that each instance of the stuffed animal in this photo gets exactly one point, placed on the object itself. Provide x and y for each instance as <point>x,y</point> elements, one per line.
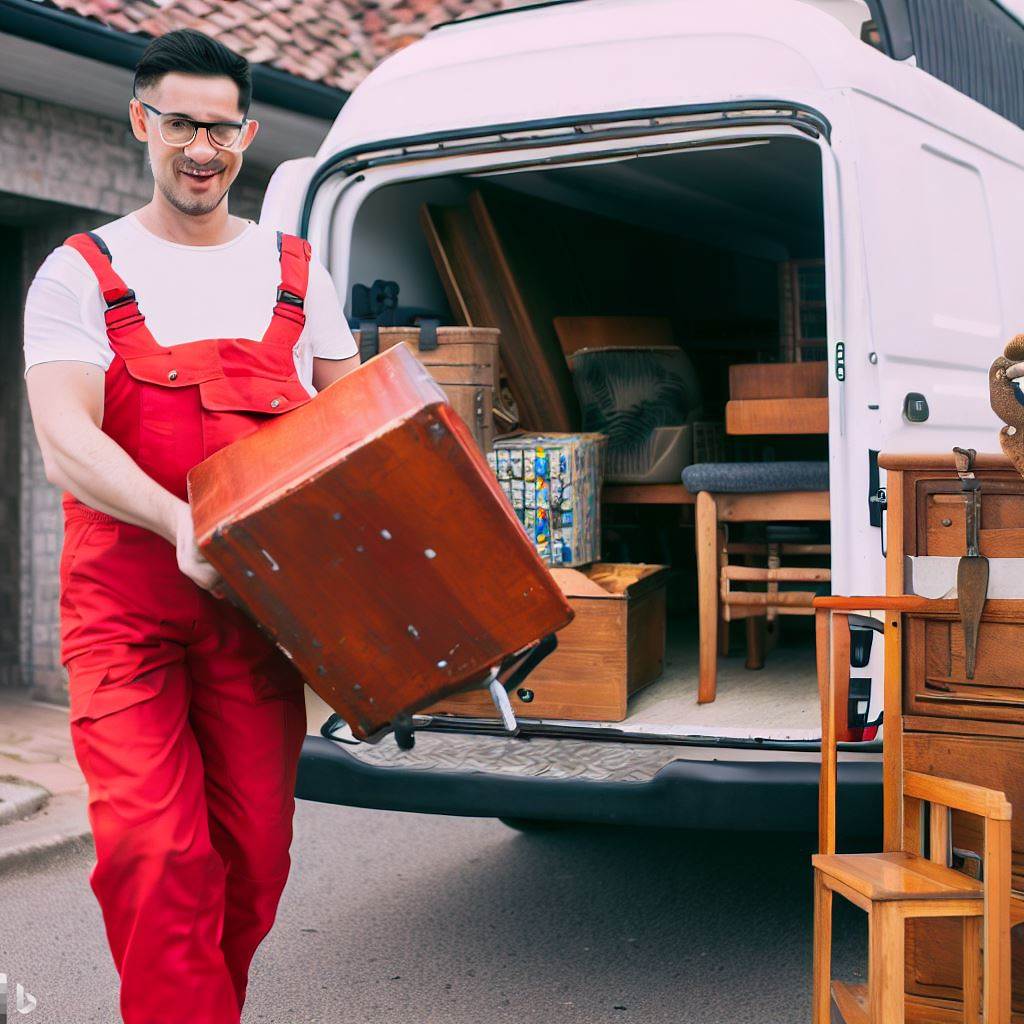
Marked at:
<point>1007,400</point>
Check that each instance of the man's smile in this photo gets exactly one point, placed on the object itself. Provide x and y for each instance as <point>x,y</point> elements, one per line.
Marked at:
<point>199,173</point>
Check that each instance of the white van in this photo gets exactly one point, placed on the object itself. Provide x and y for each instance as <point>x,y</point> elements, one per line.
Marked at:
<point>752,131</point>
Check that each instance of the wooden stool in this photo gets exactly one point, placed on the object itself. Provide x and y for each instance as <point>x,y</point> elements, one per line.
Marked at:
<point>749,492</point>
<point>894,886</point>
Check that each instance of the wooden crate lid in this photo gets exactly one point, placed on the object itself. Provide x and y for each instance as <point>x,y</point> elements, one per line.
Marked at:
<point>609,579</point>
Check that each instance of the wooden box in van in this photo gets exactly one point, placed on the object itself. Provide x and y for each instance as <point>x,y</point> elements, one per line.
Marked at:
<point>614,645</point>
<point>465,364</point>
<point>365,532</point>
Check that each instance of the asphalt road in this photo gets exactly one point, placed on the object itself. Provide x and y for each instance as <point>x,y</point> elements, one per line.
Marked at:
<point>414,919</point>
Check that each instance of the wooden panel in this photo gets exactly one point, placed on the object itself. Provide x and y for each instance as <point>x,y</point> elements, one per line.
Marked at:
<point>934,679</point>
<point>777,416</point>
<point>333,527</point>
<point>576,332</point>
<point>614,646</point>
<point>994,762</point>
<point>778,380</point>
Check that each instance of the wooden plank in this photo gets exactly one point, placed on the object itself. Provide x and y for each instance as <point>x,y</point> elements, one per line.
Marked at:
<point>779,507</point>
<point>997,980</point>
<point>885,965</point>
<point>850,1003</point>
<point>576,332</point>
<point>823,625</point>
<point>707,595</point>
<point>646,494</point>
<point>470,283</point>
<point>779,380</point>
<point>962,796</point>
<point>822,950</point>
<point>533,356</point>
<point>776,416</point>
<point>941,461</point>
<point>761,574</point>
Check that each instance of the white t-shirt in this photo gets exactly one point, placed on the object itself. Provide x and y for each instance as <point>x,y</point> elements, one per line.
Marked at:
<point>185,292</point>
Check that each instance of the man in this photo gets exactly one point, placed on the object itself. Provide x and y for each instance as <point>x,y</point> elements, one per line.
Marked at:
<point>150,343</point>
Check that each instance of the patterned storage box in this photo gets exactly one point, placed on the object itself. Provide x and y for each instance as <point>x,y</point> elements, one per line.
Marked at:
<point>554,484</point>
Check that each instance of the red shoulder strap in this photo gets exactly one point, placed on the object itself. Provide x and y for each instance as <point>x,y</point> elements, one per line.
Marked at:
<point>289,310</point>
<point>125,323</point>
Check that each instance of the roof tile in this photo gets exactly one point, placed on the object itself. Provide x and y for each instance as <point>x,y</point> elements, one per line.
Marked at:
<point>336,42</point>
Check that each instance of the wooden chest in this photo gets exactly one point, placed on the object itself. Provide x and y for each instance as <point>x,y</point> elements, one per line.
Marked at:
<point>366,534</point>
<point>614,646</point>
<point>464,363</point>
<point>939,721</point>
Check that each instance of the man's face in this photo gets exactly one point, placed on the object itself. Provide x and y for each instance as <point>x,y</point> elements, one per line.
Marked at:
<point>195,178</point>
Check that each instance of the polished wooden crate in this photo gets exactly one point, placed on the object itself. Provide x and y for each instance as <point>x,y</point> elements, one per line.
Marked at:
<point>938,721</point>
<point>614,646</point>
<point>365,532</point>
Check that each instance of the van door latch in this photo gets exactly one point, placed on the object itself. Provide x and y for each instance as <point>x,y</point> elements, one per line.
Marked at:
<point>878,499</point>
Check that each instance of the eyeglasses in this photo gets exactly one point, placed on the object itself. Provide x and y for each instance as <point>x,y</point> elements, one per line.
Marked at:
<point>179,130</point>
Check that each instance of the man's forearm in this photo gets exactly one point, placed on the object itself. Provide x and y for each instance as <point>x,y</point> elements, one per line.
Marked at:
<point>99,472</point>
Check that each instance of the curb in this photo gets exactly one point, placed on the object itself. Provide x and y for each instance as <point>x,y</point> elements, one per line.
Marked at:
<point>62,827</point>
<point>20,799</point>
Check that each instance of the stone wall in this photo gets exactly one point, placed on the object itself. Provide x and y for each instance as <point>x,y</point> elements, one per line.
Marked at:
<point>88,170</point>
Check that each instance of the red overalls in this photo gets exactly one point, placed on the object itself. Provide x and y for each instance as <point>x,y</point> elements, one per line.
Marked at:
<point>186,720</point>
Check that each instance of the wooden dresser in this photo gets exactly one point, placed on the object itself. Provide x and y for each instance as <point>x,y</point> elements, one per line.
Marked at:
<point>936,719</point>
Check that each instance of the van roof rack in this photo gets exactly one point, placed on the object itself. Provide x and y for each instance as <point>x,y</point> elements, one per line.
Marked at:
<point>507,10</point>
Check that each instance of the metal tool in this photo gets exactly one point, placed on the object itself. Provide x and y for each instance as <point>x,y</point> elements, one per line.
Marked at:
<point>972,571</point>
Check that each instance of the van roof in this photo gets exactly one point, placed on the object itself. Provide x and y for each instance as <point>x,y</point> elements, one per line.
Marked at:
<point>559,59</point>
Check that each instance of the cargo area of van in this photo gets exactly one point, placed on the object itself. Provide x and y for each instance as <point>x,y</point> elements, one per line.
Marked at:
<point>699,239</point>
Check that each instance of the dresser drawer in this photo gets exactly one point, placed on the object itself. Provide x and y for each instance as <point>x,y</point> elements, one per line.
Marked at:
<point>934,680</point>
<point>941,525</point>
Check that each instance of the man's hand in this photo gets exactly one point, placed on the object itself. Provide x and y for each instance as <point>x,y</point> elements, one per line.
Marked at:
<point>1015,370</point>
<point>190,559</point>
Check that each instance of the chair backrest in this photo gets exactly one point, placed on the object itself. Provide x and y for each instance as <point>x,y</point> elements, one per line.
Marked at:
<point>921,794</point>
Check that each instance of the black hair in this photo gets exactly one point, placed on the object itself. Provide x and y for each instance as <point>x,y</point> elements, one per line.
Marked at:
<point>193,53</point>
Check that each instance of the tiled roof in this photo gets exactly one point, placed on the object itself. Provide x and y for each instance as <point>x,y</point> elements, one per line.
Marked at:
<point>335,42</point>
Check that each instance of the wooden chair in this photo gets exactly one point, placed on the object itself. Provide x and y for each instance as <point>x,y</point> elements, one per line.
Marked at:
<point>905,882</point>
<point>750,492</point>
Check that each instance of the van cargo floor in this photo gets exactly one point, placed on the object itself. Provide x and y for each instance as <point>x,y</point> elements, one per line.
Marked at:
<point>779,701</point>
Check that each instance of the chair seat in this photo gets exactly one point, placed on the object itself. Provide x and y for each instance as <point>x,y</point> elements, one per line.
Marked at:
<point>897,876</point>
<point>755,477</point>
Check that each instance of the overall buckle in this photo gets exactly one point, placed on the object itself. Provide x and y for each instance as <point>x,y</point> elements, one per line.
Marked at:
<point>130,311</point>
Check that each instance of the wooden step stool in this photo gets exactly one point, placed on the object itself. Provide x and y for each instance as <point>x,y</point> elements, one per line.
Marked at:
<point>897,885</point>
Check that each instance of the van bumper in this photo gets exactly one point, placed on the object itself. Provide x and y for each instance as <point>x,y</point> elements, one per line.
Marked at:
<point>751,795</point>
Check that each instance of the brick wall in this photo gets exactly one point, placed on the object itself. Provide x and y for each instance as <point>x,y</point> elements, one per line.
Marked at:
<point>53,152</point>
<point>91,169</point>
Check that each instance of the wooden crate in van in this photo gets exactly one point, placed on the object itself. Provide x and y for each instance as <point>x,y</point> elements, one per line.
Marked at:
<point>464,364</point>
<point>614,645</point>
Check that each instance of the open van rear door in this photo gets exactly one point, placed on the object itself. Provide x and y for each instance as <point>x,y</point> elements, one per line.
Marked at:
<point>932,269</point>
